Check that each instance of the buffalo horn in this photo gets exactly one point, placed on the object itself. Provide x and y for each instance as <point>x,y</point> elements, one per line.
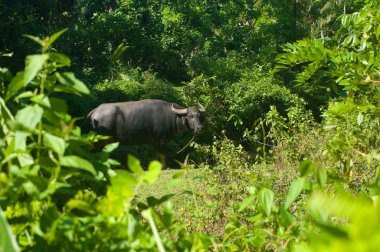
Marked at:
<point>201,108</point>
<point>179,111</point>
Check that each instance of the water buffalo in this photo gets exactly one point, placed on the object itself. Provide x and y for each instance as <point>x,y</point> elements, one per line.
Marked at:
<point>145,122</point>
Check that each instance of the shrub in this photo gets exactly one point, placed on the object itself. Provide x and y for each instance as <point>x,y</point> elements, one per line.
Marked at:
<point>227,69</point>
<point>236,106</point>
<point>134,85</point>
<point>250,98</point>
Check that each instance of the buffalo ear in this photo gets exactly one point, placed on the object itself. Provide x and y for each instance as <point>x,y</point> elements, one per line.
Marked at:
<point>179,111</point>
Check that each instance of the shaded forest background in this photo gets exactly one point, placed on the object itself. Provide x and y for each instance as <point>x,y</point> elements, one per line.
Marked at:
<point>181,45</point>
<point>218,53</point>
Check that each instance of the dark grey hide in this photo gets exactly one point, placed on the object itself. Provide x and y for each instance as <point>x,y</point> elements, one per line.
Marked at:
<point>145,122</point>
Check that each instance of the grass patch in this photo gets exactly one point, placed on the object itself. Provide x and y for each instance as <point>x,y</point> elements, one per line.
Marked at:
<point>201,202</point>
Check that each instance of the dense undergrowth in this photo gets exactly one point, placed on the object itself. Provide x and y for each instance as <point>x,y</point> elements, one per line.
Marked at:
<point>279,168</point>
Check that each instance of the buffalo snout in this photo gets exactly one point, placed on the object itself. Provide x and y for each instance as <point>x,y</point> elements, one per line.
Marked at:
<point>198,129</point>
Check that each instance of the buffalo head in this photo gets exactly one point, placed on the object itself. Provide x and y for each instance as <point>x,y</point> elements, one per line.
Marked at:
<point>192,116</point>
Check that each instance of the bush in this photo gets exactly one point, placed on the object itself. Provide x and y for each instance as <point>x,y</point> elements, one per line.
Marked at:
<point>226,69</point>
<point>250,98</point>
<point>132,85</point>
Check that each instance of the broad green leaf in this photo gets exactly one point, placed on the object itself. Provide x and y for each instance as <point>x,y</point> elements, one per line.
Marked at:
<point>347,40</point>
<point>5,112</point>
<point>120,193</point>
<point>321,175</point>
<point>306,167</point>
<point>377,33</point>
<point>367,28</point>
<point>35,39</point>
<point>154,170</point>
<point>324,204</point>
<point>33,64</point>
<point>321,215</point>
<point>285,218</point>
<point>29,116</point>
<point>30,188</point>
<point>119,51</point>
<point>55,143</point>
<point>308,72</point>
<point>266,197</point>
<point>345,20</point>
<point>134,165</point>
<point>110,147</point>
<point>20,140</point>
<point>16,84</point>
<point>8,241</point>
<point>26,94</point>
<point>8,158</point>
<point>360,118</point>
<point>70,84</point>
<point>25,159</point>
<point>345,82</point>
<point>42,99</point>
<point>255,218</point>
<point>132,225</point>
<point>80,205</point>
<point>294,191</point>
<point>54,37</point>
<point>60,58</point>
<point>123,180</point>
<point>246,203</point>
<point>77,162</point>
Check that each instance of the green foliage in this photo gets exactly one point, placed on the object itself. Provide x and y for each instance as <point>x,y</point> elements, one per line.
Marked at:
<point>299,185</point>
<point>7,240</point>
<point>41,149</point>
<point>134,85</point>
<point>227,69</point>
<point>252,96</point>
<point>56,193</point>
<point>361,234</point>
<point>241,104</point>
<point>328,220</point>
<point>174,39</point>
<point>349,65</point>
<point>346,62</point>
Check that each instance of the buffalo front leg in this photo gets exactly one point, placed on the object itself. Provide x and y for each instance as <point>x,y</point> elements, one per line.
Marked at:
<point>161,149</point>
